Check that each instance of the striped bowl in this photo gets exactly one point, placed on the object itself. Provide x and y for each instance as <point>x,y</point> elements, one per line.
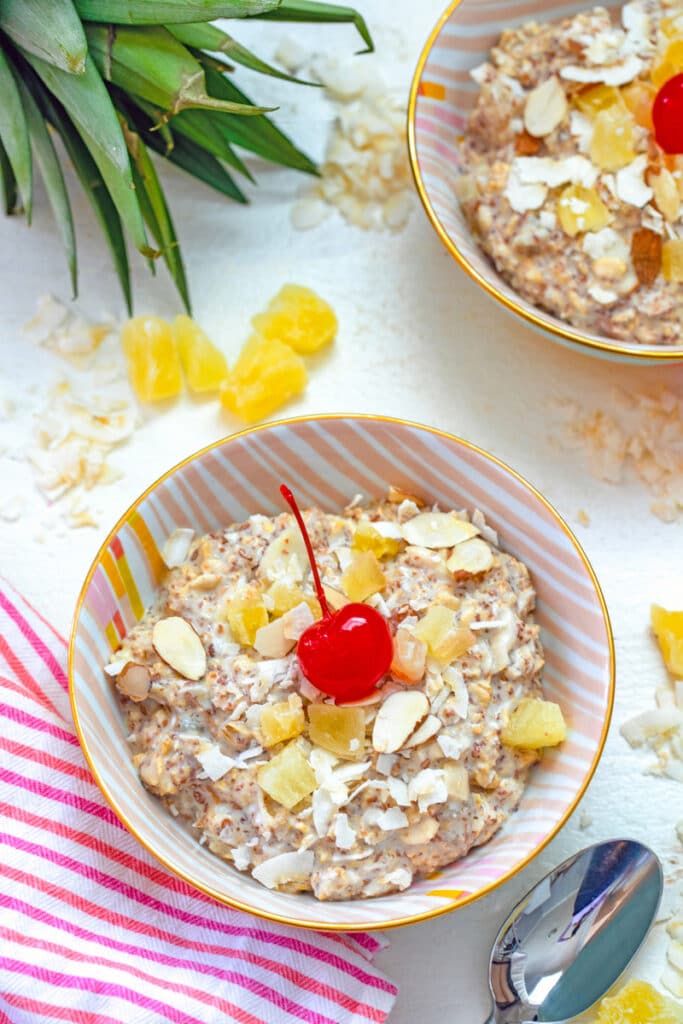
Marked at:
<point>330,459</point>
<point>441,98</point>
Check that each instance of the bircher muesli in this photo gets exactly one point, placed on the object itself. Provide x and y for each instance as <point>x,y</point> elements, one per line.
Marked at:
<point>564,183</point>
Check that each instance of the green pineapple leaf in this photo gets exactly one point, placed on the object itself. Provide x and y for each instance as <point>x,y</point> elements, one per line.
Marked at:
<point>49,29</point>
<point>309,10</point>
<point>202,36</point>
<point>8,183</point>
<point>156,12</point>
<point>14,134</point>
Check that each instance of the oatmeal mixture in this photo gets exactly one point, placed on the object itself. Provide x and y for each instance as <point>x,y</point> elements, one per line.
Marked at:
<point>345,801</point>
<point>564,184</point>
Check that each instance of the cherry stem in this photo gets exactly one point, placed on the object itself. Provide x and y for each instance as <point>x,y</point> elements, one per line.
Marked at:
<point>291,501</point>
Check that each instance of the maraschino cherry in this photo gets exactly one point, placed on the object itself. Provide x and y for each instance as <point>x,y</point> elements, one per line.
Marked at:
<point>667,115</point>
<point>346,652</point>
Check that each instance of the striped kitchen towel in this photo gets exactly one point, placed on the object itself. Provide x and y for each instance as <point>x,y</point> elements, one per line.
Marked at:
<point>93,930</point>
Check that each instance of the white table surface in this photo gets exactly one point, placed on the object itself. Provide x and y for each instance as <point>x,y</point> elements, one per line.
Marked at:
<point>417,339</point>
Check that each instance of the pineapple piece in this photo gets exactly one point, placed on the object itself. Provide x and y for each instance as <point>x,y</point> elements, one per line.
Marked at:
<point>668,628</point>
<point>535,723</point>
<point>639,98</point>
<point>339,730</point>
<point>672,27</point>
<point>288,777</point>
<point>363,576</point>
<point>299,318</point>
<point>367,538</point>
<point>612,142</point>
<point>266,375</point>
<point>410,655</point>
<point>581,209</point>
<point>246,615</point>
<point>596,98</point>
<point>668,64</point>
<point>284,596</point>
<point>204,365</point>
<point>457,780</point>
<point>153,362</point>
<point>672,260</point>
<point>638,1001</point>
<point>282,721</point>
<point>444,639</point>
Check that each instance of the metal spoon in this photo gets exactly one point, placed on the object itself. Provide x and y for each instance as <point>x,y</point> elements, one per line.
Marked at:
<point>570,938</point>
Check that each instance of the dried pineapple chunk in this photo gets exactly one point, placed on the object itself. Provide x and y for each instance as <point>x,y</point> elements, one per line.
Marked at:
<point>581,209</point>
<point>284,596</point>
<point>638,1002</point>
<point>299,318</point>
<point>596,98</point>
<point>672,27</point>
<point>266,375</point>
<point>153,362</point>
<point>410,655</point>
<point>288,777</point>
<point>639,98</point>
<point>668,628</point>
<point>672,260</point>
<point>535,723</point>
<point>282,721</point>
<point>444,639</point>
<point>204,365</point>
<point>668,64</point>
<point>367,538</point>
<point>612,142</point>
<point>246,615</point>
<point>362,577</point>
<point>339,730</point>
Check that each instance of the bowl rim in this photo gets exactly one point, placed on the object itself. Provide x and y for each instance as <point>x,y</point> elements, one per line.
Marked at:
<point>286,919</point>
<point>565,332</point>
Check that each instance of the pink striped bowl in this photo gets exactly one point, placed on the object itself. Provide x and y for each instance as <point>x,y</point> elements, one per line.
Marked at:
<point>331,459</point>
<point>441,98</point>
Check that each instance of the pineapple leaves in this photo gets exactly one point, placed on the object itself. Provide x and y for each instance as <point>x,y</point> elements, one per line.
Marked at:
<point>309,10</point>
<point>87,102</point>
<point>210,37</point>
<point>8,184</point>
<point>14,134</point>
<point>49,29</point>
<point>53,179</point>
<point>143,12</point>
<point>154,209</point>
<point>152,64</point>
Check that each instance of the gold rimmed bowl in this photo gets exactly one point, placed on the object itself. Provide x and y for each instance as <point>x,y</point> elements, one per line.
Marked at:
<point>330,459</point>
<point>441,98</point>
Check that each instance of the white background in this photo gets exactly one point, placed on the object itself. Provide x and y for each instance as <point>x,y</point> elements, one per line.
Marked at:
<point>417,339</point>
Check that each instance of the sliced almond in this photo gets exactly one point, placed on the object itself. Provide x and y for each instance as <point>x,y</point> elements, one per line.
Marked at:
<point>134,681</point>
<point>546,107</point>
<point>397,719</point>
<point>176,643</point>
<point>667,198</point>
<point>470,558</point>
<point>271,642</point>
<point>177,547</point>
<point>646,254</point>
<point>424,732</point>
<point>437,530</point>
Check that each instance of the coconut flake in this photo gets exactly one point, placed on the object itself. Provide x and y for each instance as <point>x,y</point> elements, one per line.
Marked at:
<point>428,787</point>
<point>398,790</point>
<point>452,747</point>
<point>214,762</point>
<point>612,74</point>
<point>392,819</point>
<point>654,722</point>
<point>630,183</point>
<point>285,868</point>
<point>344,835</point>
<point>177,547</point>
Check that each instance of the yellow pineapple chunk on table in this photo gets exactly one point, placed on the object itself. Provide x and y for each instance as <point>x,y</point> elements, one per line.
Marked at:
<point>581,209</point>
<point>638,1002</point>
<point>534,724</point>
<point>363,576</point>
<point>668,628</point>
<point>339,730</point>
<point>445,640</point>
<point>153,361</point>
<point>204,365</point>
<point>299,318</point>
<point>612,145</point>
<point>266,375</point>
<point>282,721</point>
<point>288,777</point>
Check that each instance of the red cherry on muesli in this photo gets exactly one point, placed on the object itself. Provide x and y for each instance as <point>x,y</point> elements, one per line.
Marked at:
<point>346,652</point>
<point>667,115</point>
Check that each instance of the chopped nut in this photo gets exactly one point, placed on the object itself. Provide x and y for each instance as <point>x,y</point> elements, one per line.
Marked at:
<point>176,643</point>
<point>134,681</point>
<point>398,717</point>
<point>526,144</point>
<point>546,107</point>
<point>646,254</point>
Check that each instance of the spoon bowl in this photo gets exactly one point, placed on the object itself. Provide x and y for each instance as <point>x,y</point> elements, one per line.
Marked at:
<point>574,934</point>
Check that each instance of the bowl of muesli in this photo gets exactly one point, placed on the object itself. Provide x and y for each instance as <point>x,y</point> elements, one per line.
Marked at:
<point>544,143</point>
<point>293,794</point>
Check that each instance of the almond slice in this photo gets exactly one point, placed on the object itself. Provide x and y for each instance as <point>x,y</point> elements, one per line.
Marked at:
<point>176,643</point>
<point>271,642</point>
<point>470,558</point>
<point>437,530</point>
<point>397,719</point>
<point>134,681</point>
<point>424,732</point>
<point>526,144</point>
<point>177,547</point>
<point>546,107</point>
<point>646,254</point>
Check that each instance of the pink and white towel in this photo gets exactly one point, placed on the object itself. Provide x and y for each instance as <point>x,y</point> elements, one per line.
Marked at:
<point>93,930</point>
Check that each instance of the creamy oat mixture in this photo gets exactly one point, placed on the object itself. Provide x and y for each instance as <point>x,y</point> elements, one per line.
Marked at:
<point>563,182</point>
<point>427,777</point>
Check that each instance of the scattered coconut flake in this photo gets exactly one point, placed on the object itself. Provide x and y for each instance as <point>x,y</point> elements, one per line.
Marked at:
<point>630,183</point>
<point>385,763</point>
<point>455,681</point>
<point>610,74</point>
<point>392,819</point>
<point>214,762</point>
<point>290,55</point>
<point>452,747</point>
<point>428,787</point>
<point>285,868</point>
<point>323,809</point>
<point>241,857</point>
<point>344,835</point>
<point>398,790</point>
<point>651,723</point>
<point>12,508</point>
<point>177,547</point>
